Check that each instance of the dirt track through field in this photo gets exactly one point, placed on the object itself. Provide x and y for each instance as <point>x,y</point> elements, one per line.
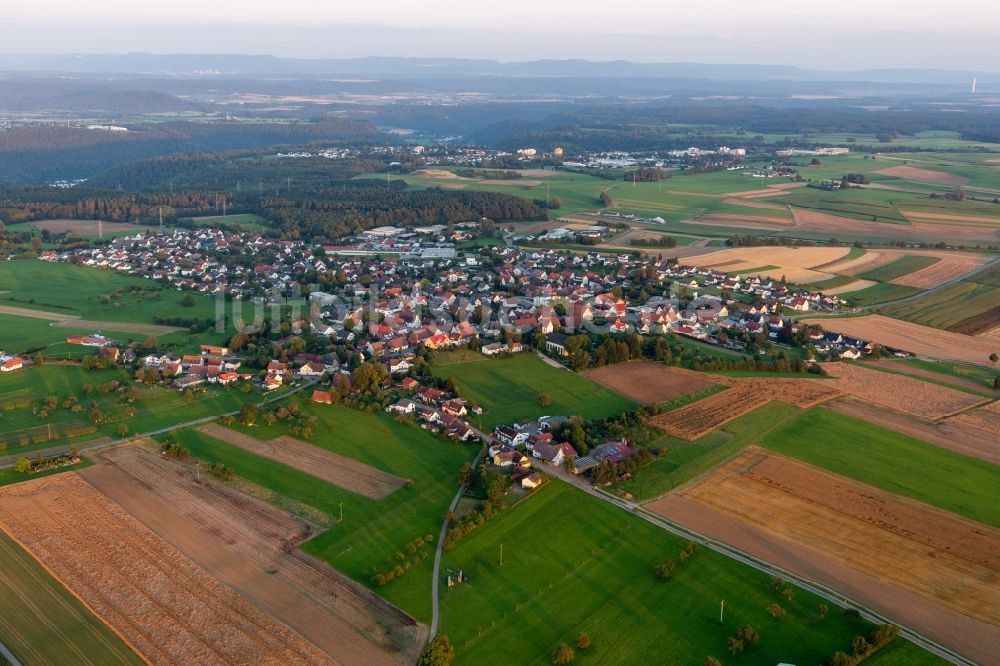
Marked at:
<point>914,338</point>
<point>339,470</point>
<point>901,392</point>
<point>71,321</point>
<point>646,383</point>
<point>252,547</point>
<point>167,608</point>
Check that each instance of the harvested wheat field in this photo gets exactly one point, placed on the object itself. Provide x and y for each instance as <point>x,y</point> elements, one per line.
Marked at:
<point>975,220</point>
<point>914,338</point>
<point>814,220</point>
<point>168,609</point>
<point>634,235</point>
<point>900,392</point>
<point>742,221</point>
<point>439,173</point>
<point>923,175</point>
<point>945,270</point>
<point>984,420</point>
<point>856,285</point>
<point>946,433</point>
<point>647,383</point>
<point>339,470</point>
<point>852,267</point>
<point>796,264</point>
<point>938,572</point>
<point>251,546</point>
<point>744,395</point>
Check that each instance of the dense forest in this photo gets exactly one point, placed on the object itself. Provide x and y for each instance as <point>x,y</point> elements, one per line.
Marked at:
<point>235,170</point>
<point>668,127</point>
<point>321,214</point>
<point>327,214</point>
<point>26,151</point>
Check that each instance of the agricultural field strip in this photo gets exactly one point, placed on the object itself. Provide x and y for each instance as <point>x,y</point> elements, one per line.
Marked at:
<point>926,623</point>
<point>252,546</point>
<point>981,419</point>
<point>170,610</point>
<point>808,583</point>
<point>901,392</point>
<point>860,526</point>
<point>646,383</point>
<point>745,394</point>
<point>36,605</point>
<point>946,433</point>
<point>339,470</point>
<point>914,338</point>
<point>73,321</point>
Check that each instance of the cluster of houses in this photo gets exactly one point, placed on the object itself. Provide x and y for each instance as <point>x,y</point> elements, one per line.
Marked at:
<point>517,448</point>
<point>10,363</point>
<point>436,409</point>
<point>389,305</point>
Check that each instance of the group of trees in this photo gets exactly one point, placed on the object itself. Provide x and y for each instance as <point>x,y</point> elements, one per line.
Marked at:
<point>863,647</point>
<point>493,485</point>
<point>401,562</point>
<point>564,654</point>
<point>664,569</point>
<point>666,349</point>
<point>646,175</point>
<point>608,472</point>
<point>663,240</point>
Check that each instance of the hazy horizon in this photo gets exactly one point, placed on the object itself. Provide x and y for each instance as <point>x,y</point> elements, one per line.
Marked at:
<point>854,35</point>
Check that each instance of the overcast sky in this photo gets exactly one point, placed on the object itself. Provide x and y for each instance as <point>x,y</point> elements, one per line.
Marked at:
<point>960,34</point>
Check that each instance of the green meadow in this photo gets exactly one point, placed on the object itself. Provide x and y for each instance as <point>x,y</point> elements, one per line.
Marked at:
<point>891,461</point>
<point>508,390</point>
<point>574,564</point>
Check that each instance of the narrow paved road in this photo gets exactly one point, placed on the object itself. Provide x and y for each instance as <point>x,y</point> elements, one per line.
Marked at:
<point>55,451</point>
<point>8,655</point>
<point>436,581</point>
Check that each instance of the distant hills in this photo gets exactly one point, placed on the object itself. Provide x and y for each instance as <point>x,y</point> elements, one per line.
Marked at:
<point>239,65</point>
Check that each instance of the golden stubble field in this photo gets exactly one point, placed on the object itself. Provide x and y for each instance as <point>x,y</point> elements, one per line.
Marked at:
<point>935,571</point>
